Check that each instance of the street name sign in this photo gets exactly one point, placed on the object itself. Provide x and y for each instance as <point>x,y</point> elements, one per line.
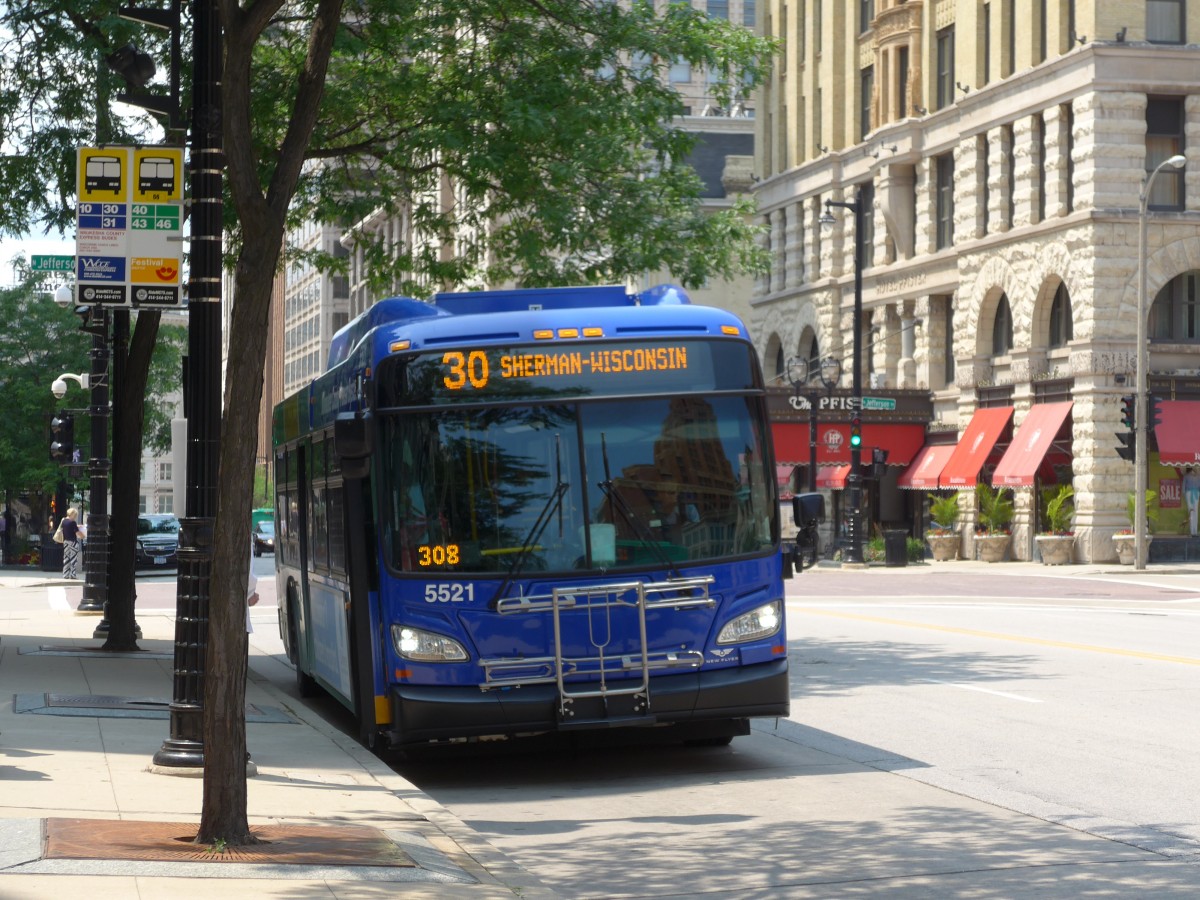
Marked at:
<point>879,403</point>
<point>129,226</point>
<point>53,263</point>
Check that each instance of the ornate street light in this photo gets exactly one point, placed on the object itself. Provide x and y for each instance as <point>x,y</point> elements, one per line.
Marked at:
<point>800,372</point>
<point>854,550</point>
<point>1139,438</point>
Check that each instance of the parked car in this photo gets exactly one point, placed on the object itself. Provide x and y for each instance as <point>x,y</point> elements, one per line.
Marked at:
<point>264,538</point>
<point>157,541</point>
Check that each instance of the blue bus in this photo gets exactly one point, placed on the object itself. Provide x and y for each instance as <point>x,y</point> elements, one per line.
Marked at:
<point>508,513</point>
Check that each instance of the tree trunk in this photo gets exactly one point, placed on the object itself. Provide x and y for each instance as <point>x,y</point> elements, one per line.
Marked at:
<point>224,806</point>
<point>262,219</point>
<point>128,421</point>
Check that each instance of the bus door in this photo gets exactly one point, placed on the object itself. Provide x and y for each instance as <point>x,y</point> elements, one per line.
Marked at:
<point>291,553</point>
<point>328,606</point>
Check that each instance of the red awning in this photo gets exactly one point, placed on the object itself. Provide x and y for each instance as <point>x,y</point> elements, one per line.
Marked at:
<point>922,474</point>
<point>977,442</point>
<point>791,443</point>
<point>900,440</point>
<point>1019,465</point>
<point>1178,435</point>
<point>832,477</point>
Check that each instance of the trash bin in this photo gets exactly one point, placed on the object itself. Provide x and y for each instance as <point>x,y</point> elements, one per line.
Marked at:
<point>895,548</point>
<point>51,554</point>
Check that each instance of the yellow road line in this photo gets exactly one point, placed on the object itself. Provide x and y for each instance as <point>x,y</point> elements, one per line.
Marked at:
<point>1015,638</point>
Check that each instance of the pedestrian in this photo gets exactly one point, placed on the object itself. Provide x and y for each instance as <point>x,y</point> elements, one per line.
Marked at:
<point>72,533</point>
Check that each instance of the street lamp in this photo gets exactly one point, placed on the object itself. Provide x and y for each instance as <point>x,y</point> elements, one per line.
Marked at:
<point>854,551</point>
<point>1139,437</point>
<point>799,373</point>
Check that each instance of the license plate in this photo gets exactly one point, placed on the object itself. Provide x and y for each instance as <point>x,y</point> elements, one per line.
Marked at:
<point>160,560</point>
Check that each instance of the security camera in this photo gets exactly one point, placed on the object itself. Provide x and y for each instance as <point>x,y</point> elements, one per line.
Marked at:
<point>64,296</point>
<point>59,388</point>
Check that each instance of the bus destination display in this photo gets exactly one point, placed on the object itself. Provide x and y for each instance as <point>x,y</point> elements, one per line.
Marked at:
<point>578,370</point>
<point>475,369</point>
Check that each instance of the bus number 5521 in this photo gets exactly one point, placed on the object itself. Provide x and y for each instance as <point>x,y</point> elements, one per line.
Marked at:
<point>449,593</point>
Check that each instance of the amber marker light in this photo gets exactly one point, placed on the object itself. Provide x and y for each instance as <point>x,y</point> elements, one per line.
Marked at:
<point>730,329</point>
<point>593,332</point>
<point>397,346</point>
<point>543,334</point>
<point>568,332</point>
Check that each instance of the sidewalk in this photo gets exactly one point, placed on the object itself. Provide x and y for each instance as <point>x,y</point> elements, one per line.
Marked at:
<point>80,800</point>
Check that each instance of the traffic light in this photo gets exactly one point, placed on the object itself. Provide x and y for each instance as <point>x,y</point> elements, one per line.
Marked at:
<point>62,438</point>
<point>856,432</point>
<point>879,458</point>
<point>1125,445</point>
<point>1129,411</point>
<point>1153,414</point>
<point>137,68</point>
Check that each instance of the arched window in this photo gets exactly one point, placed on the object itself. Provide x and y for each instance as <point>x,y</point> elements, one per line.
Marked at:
<point>810,350</point>
<point>1062,328</point>
<point>1002,329</point>
<point>1175,313</point>
<point>780,363</point>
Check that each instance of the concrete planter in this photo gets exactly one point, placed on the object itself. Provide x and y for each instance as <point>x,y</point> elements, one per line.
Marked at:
<point>993,547</point>
<point>1056,549</point>
<point>944,546</point>
<point>1125,547</point>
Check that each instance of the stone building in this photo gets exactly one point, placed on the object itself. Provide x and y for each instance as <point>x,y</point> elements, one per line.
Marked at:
<point>999,150</point>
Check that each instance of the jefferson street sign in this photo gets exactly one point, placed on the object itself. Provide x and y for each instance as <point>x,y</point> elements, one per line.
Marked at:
<point>55,263</point>
<point>879,403</point>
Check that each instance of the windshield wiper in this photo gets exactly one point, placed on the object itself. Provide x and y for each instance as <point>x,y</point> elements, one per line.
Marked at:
<point>640,529</point>
<point>553,502</point>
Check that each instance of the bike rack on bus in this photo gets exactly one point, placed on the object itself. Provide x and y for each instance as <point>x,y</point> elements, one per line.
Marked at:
<point>599,602</point>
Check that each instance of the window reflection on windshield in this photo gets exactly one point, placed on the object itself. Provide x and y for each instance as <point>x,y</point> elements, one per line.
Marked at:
<point>576,486</point>
<point>158,526</point>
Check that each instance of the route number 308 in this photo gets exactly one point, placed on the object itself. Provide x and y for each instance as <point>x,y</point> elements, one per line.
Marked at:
<point>450,593</point>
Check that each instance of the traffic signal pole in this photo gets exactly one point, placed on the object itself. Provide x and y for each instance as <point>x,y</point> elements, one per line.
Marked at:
<point>95,551</point>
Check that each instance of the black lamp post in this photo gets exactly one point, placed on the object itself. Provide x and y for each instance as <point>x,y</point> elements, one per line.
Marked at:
<point>854,550</point>
<point>799,373</point>
<point>202,399</point>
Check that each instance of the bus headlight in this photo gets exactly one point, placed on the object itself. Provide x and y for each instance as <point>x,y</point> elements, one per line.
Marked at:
<point>426,646</point>
<point>759,623</point>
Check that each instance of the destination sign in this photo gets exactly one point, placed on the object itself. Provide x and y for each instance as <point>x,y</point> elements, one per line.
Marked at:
<point>572,370</point>
<point>473,368</point>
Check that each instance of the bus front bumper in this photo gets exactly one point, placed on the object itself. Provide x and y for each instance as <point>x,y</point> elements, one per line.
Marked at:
<point>422,713</point>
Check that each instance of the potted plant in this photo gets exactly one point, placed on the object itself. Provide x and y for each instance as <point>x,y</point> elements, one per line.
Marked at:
<point>1056,540</point>
<point>1123,540</point>
<point>942,537</point>
<point>995,517</point>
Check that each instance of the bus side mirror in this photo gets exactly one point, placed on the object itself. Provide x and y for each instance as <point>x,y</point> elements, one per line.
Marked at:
<point>352,442</point>
<point>808,509</point>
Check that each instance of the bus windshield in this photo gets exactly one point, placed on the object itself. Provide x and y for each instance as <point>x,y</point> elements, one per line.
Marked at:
<point>596,485</point>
